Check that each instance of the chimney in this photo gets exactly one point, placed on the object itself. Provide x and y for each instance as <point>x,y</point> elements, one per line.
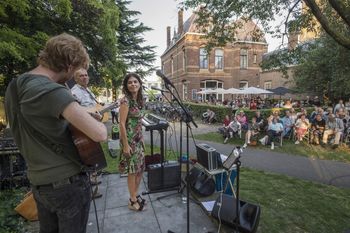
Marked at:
<point>180,23</point>
<point>293,40</point>
<point>167,36</point>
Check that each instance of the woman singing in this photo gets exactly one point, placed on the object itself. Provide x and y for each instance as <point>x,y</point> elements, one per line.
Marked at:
<point>132,159</point>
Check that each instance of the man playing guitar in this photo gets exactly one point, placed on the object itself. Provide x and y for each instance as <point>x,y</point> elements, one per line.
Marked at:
<point>86,99</point>
<point>40,109</point>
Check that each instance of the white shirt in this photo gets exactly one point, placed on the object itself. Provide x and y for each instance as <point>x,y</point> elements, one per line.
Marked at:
<point>83,95</point>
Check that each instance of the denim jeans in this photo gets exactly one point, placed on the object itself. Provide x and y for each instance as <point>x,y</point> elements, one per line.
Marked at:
<point>64,207</point>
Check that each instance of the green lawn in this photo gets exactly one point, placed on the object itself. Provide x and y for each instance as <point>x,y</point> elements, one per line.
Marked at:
<point>112,163</point>
<point>294,205</point>
<point>341,154</point>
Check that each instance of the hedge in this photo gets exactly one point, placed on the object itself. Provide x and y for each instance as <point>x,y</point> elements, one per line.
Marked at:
<point>221,111</point>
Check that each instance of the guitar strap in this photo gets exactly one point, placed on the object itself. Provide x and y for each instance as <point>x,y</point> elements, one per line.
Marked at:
<point>22,122</point>
<point>91,95</point>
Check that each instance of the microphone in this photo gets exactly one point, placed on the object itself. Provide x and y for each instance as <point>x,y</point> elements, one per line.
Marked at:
<point>165,79</point>
<point>158,89</point>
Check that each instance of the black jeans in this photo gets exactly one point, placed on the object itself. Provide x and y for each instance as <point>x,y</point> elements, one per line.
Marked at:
<point>64,206</point>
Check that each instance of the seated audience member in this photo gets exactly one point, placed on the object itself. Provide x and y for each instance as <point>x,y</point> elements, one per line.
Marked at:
<point>313,114</point>
<point>242,119</point>
<point>338,106</point>
<point>259,119</point>
<point>274,130</point>
<point>334,126</point>
<point>347,106</point>
<point>317,129</point>
<point>293,115</point>
<point>225,124</point>
<point>287,123</point>
<point>327,113</point>
<point>288,104</point>
<point>302,112</point>
<point>233,128</point>
<point>253,129</point>
<point>253,104</point>
<point>301,127</point>
<point>208,116</point>
<point>317,101</point>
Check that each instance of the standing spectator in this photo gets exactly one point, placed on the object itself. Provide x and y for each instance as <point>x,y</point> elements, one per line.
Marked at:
<point>334,126</point>
<point>317,129</point>
<point>132,160</point>
<point>301,127</point>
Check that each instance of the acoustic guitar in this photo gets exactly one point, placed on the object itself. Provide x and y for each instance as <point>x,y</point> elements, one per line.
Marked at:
<point>90,152</point>
<point>102,110</point>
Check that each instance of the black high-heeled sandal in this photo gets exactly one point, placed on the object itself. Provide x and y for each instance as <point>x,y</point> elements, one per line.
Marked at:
<point>140,200</point>
<point>135,205</point>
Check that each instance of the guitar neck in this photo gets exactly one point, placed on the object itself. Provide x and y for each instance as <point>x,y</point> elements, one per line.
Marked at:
<point>106,109</point>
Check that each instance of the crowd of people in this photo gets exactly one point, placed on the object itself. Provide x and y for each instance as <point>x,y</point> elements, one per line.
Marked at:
<point>323,127</point>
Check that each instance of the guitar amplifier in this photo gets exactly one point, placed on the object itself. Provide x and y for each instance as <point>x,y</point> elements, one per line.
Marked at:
<point>163,177</point>
<point>207,156</point>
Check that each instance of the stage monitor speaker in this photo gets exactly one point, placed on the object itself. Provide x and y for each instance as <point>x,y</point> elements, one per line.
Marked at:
<point>225,211</point>
<point>200,182</point>
<point>208,157</point>
<point>171,176</point>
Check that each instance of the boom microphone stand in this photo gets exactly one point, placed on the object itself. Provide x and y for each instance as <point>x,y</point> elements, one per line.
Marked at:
<point>187,118</point>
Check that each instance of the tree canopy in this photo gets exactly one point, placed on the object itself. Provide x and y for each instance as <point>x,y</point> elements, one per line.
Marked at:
<point>324,68</point>
<point>332,15</point>
<point>103,26</point>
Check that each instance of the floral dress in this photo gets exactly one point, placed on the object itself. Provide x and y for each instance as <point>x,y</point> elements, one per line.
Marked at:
<point>136,162</point>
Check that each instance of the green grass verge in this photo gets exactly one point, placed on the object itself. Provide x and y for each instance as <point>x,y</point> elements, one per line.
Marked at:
<point>112,163</point>
<point>341,154</point>
<point>294,205</point>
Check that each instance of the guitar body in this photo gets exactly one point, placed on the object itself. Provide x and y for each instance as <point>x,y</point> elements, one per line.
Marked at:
<point>91,153</point>
<point>102,110</point>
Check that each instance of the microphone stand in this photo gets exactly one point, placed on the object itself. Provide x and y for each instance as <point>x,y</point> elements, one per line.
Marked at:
<point>187,118</point>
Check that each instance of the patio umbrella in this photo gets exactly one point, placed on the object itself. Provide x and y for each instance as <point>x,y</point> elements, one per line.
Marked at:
<point>232,91</point>
<point>255,91</point>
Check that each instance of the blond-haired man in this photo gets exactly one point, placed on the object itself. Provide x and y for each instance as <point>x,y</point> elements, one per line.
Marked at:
<point>39,108</point>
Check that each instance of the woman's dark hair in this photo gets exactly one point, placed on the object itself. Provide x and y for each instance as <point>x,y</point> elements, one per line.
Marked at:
<point>127,92</point>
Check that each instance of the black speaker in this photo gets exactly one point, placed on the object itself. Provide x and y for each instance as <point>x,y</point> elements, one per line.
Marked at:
<point>225,211</point>
<point>164,177</point>
<point>200,182</point>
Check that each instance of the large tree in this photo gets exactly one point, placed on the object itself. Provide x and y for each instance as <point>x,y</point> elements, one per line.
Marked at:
<point>332,15</point>
<point>25,26</point>
<point>133,53</point>
<point>324,68</point>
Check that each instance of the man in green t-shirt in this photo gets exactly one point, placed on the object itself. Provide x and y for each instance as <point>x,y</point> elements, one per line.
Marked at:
<point>39,109</point>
